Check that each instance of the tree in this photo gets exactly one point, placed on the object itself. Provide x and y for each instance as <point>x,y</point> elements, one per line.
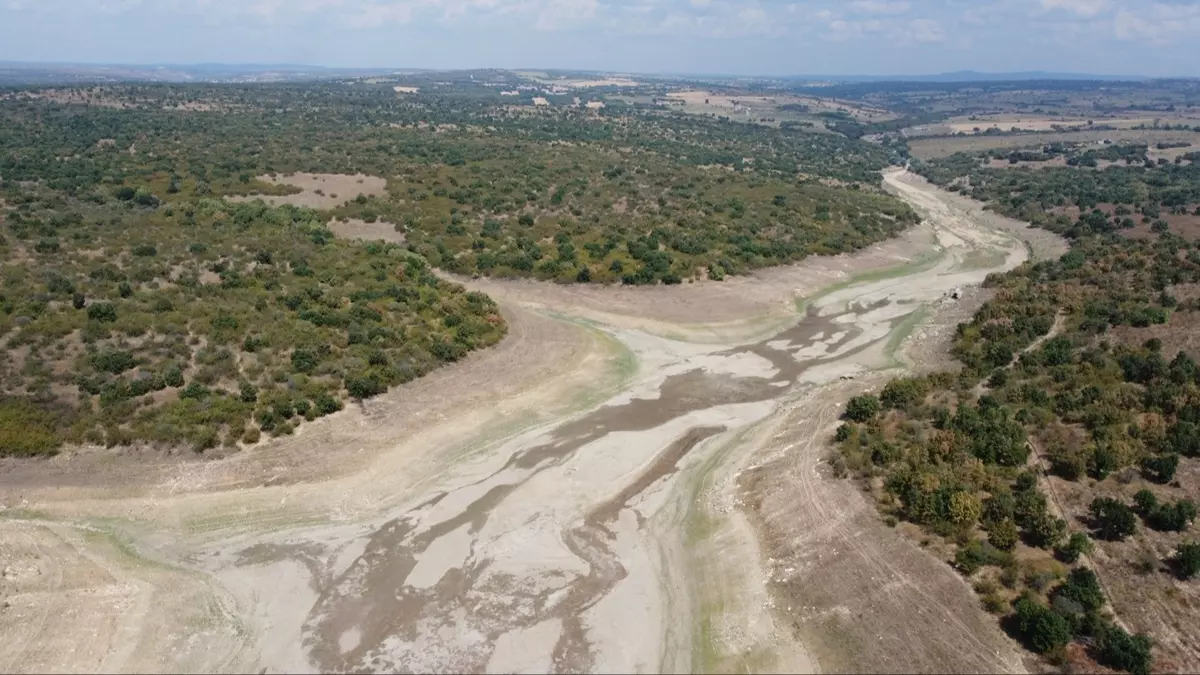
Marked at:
<point>1082,587</point>
<point>1040,627</point>
<point>1173,517</point>
<point>1113,520</point>
<point>1160,469</point>
<point>1003,535</point>
<point>304,360</point>
<point>173,376</point>
<point>102,312</point>
<point>1078,544</point>
<point>194,390</point>
<point>1187,560</point>
<point>862,408</point>
<point>1046,531</point>
<point>965,508</point>
<point>1119,649</point>
<point>1145,501</point>
<point>903,392</point>
<point>844,431</point>
<point>365,386</point>
<point>999,507</point>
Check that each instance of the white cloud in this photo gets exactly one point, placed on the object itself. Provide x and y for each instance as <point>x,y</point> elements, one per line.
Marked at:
<point>377,14</point>
<point>879,6</point>
<point>559,14</point>
<point>1159,23</point>
<point>841,30</point>
<point>925,31</point>
<point>1084,8</point>
<point>754,20</point>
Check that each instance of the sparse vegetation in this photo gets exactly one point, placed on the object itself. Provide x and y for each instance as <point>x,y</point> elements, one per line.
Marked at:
<point>1101,406</point>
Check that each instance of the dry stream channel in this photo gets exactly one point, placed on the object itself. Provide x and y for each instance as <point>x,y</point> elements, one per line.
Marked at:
<point>582,543</point>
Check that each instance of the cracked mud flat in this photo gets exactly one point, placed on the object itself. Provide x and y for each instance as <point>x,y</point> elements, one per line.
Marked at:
<point>584,519</point>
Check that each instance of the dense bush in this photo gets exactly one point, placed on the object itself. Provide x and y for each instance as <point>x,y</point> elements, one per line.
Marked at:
<point>1112,519</point>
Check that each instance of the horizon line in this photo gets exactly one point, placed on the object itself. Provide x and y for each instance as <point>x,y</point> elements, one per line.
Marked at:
<point>1050,74</point>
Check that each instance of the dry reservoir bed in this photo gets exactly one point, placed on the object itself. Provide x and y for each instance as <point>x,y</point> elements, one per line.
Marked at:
<point>582,498</point>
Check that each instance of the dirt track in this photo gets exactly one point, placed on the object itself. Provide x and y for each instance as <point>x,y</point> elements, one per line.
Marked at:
<point>591,495</point>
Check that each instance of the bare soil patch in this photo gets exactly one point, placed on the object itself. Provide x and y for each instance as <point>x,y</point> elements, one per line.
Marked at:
<point>706,102</point>
<point>1186,225</point>
<point>74,599</point>
<point>1039,123</point>
<point>861,597</point>
<point>1181,332</point>
<point>355,228</point>
<point>319,190</point>
<point>1146,595</point>
<point>941,146</point>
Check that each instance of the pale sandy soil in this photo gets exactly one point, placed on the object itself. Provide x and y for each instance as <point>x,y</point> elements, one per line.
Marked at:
<point>335,189</point>
<point>628,482</point>
<point>355,228</point>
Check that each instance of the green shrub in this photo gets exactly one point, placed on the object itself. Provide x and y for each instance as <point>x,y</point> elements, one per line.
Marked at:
<point>173,376</point>
<point>904,392</point>
<point>1160,469</point>
<point>326,405</point>
<point>113,361</point>
<point>862,408</point>
<point>977,554</point>
<point>304,360</point>
<point>1187,560</point>
<point>102,312</point>
<point>365,386</point>
<point>1172,517</point>
<point>1118,649</point>
<point>1040,627</point>
<point>1003,535</point>
<point>1083,588</point>
<point>194,390</point>
<point>1113,520</point>
<point>25,429</point>
<point>1078,544</point>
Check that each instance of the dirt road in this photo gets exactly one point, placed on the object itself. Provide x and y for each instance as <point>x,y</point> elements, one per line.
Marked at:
<point>628,483</point>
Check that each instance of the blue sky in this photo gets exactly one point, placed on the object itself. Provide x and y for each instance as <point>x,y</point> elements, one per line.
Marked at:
<point>769,37</point>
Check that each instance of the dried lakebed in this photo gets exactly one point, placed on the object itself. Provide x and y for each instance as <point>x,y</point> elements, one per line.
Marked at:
<point>571,545</point>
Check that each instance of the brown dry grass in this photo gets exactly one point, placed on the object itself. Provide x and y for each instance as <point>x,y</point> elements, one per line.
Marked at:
<point>1182,332</point>
<point>1008,122</point>
<point>354,228</point>
<point>705,102</point>
<point>941,146</point>
<point>1186,225</point>
<point>319,190</point>
<point>1145,594</point>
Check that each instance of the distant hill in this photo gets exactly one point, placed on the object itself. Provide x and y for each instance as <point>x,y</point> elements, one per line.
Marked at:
<point>974,76</point>
<point>20,73</point>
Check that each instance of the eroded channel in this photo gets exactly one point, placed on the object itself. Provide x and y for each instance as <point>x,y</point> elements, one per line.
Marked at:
<point>436,588</point>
